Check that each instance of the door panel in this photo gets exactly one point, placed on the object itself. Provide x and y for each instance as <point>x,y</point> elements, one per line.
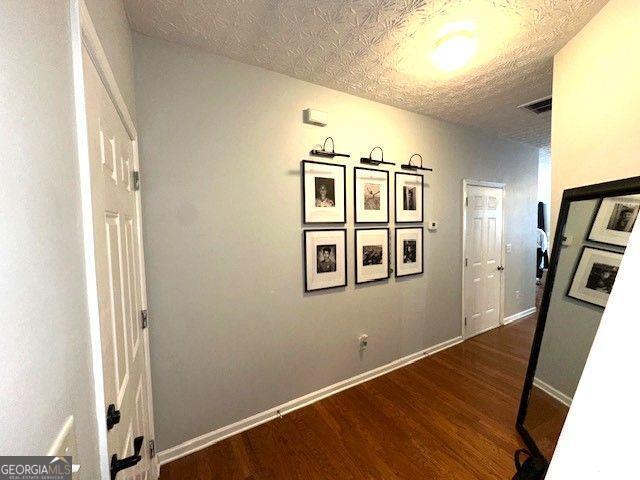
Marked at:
<point>482,277</point>
<point>118,254</point>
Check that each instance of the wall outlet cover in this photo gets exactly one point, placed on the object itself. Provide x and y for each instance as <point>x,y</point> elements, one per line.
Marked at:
<point>509,247</point>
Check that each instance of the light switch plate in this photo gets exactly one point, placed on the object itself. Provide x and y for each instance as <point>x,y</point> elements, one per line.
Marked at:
<point>65,445</point>
<point>509,248</point>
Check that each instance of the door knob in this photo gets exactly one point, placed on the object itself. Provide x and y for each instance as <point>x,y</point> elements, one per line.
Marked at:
<point>128,462</point>
<point>500,268</point>
<point>113,416</point>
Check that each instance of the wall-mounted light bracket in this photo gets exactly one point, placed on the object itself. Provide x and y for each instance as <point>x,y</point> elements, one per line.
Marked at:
<point>370,161</point>
<point>326,153</point>
<point>410,166</point>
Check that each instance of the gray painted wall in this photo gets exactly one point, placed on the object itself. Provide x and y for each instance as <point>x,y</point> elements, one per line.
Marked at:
<point>571,324</point>
<point>45,361</point>
<point>232,333</point>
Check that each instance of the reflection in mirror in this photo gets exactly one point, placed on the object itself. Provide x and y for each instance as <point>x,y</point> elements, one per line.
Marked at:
<point>595,231</point>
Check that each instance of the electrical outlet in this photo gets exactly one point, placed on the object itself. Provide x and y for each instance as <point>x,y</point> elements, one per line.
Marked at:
<point>517,294</point>
<point>509,248</point>
<point>363,341</point>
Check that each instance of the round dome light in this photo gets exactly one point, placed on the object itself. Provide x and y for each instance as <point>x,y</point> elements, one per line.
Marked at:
<point>454,50</point>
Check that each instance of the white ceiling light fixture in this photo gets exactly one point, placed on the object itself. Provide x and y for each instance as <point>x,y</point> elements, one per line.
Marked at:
<point>455,47</point>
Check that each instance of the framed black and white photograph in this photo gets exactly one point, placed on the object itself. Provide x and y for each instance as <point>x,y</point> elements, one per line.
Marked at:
<point>372,254</point>
<point>325,260</point>
<point>371,195</point>
<point>595,275</point>
<point>615,220</point>
<point>409,251</point>
<point>323,192</point>
<point>409,192</point>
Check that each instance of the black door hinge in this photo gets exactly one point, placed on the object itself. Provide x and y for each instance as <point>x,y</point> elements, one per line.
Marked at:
<point>144,318</point>
<point>136,180</point>
<point>152,448</point>
<point>465,321</point>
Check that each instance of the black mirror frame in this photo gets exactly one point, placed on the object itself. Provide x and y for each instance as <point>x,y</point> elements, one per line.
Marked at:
<point>627,186</point>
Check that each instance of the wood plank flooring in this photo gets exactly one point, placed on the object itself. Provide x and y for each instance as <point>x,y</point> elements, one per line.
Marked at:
<point>449,416</point>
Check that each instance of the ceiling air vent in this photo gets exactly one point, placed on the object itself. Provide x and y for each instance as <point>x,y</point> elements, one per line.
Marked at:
<point>538,106</point>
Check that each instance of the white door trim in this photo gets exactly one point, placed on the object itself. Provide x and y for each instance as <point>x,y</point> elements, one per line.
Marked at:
<point>481,183</point>
<point>83,34</point>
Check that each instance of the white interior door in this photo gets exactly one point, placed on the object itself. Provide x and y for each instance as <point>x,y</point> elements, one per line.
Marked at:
<point>120,284</point>
<point>483,259</point>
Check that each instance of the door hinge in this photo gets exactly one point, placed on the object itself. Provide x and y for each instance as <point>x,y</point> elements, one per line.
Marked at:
<point>136,180</point>
<point>466,262</point>
<point>466,201</point>
<point>144,318</point>
<point>465,321</point>
<point>152,448</point>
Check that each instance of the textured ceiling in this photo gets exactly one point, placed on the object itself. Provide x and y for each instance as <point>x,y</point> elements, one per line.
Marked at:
<point>378,49</point>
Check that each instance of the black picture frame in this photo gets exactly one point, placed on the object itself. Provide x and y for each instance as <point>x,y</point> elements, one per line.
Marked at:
<point>397,251</point>
<point>395,186</point>
<point>627,186</point>
<point>577,267</point>
<point>306,256</point>
<point>355,251</point>
<point>355,199</point>
<point>590,231</point>
<point>305,219</point>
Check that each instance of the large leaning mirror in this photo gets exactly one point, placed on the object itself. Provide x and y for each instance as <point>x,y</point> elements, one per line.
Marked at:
<point>593,229</point>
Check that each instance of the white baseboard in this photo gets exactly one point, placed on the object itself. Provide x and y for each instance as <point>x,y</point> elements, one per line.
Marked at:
<point>203,441</point>
<point>519,315</point>
<point>553,392</point>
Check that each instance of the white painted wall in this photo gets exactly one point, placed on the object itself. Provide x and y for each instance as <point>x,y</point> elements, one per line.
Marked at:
<point>595,133</point>
<point>594,142</point>
<point>233,333</point>
<point>45,367</point>
<point>44,347</point>
<point>111,23</point>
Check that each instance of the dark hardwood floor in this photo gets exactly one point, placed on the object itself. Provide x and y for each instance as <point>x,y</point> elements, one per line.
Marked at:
<point>449,416</point>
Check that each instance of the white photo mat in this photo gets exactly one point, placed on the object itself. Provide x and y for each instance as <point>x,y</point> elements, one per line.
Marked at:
<point>409,192</point>
<point>371,195</point>
<point>595,276</point>
<point>409,251</point>
<point>325,270</point>
<point>324,192</point>
<point>615,219</point>
<point>372,254</point>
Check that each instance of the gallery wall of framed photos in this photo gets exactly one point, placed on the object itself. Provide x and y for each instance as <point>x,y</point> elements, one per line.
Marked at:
<point>324,202</point>
<point>602,247</point>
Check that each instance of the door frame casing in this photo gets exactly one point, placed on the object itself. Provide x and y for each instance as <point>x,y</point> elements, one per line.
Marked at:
<point>84,36</point>
<point>466,183</point>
